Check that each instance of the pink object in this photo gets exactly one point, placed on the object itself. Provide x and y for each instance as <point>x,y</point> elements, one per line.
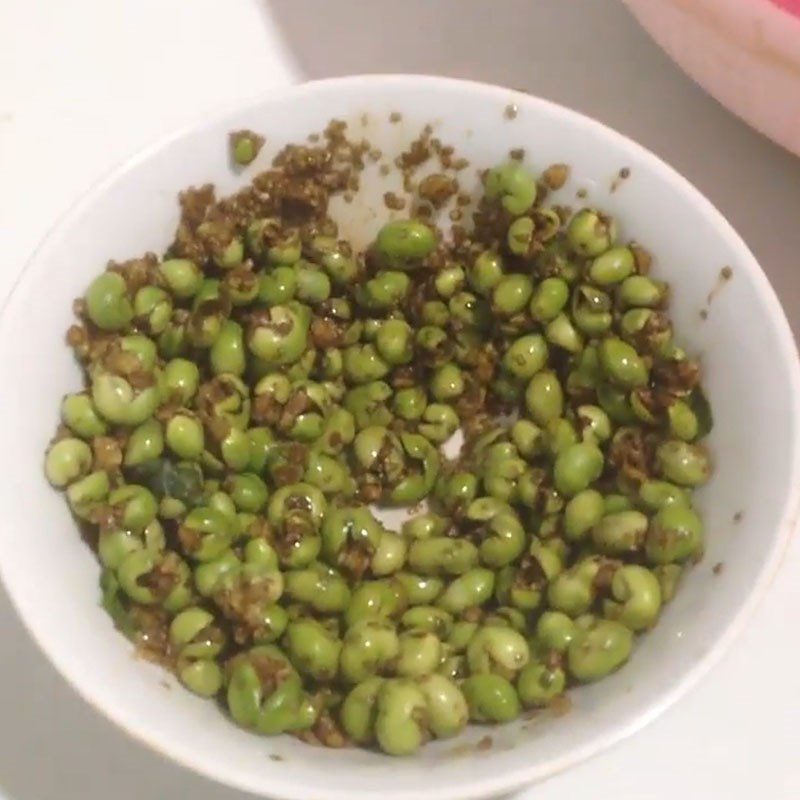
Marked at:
<point>746,53</point>
<point>793,6</point>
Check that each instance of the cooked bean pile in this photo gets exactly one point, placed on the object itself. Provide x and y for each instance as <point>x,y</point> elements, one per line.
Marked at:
<point>253,395</point>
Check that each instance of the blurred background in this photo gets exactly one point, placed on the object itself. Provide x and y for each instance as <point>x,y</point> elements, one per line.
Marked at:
<point>84,84</point>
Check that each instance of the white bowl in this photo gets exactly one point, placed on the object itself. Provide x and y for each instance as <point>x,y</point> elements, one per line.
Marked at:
<point>751,374</point>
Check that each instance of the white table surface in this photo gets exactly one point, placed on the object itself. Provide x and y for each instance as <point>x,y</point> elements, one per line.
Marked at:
<point>84,83</point>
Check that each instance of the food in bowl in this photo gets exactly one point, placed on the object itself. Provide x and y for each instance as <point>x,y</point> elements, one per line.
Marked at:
<point>253,395</point>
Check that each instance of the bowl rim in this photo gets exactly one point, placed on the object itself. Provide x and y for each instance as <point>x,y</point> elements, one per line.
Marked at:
<point>491,785</point>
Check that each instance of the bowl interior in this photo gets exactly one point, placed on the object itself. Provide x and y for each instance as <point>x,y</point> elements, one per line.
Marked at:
<point>742,337</point>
